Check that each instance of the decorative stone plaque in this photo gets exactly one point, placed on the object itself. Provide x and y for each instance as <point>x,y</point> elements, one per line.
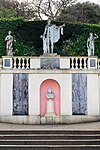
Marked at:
<point>7,63</point>
<point>50,63</point>
<point>92,63</point>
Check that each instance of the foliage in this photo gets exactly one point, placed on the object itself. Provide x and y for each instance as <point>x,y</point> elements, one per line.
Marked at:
<point>81,12</point>
<point>13,8</point>
<point>28,41</point>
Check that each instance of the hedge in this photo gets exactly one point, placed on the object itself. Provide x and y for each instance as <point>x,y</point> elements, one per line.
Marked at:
<point>28,41</point>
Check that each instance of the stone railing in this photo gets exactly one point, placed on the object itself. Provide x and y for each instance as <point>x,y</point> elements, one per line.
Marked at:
<point>21,62</point>
<point>44,62</point>
<point>78,62</point>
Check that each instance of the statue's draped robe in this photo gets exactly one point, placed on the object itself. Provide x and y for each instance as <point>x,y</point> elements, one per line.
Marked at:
<point>51,35</point>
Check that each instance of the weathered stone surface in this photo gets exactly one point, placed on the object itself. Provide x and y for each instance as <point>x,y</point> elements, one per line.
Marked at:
<point>79,94</point>
<point>50,63</point>
<point>20,94</point>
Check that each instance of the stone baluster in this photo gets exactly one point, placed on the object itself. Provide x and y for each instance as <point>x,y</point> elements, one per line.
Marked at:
<point>23,63</point>
<point>85,67</point>
<point>76,63</point>
<point>19,63</point>
<point>15,64</point>
<point>81,63</point>
<point>0,63</point>
<point>98,63</point>
<point>72,62</point>
<point>27,63</point>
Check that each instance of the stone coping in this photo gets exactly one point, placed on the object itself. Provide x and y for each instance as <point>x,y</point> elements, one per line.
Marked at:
<point>50,71</point>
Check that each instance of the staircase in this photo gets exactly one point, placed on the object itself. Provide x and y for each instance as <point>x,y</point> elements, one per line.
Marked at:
<point>50,139</point>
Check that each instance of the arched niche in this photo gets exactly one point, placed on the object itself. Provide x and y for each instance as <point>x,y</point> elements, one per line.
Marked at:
<point>49,83</point>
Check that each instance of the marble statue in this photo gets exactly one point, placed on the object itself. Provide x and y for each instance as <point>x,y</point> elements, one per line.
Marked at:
<point>50,103</point>
<point>50,36</point>
<point>90,44</point>
<point>9,40</point>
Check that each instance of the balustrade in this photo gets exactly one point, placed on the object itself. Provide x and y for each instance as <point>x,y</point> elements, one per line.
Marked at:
<point>75,62</point>
<point>21,62</point>
<point>78,62</point>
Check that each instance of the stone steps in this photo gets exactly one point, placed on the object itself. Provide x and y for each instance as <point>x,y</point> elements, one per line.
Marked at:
<point>50,142</point>
<point>49,147</point>
<point>51,136</point>
<point>49,131</point>
<point>50,139</point>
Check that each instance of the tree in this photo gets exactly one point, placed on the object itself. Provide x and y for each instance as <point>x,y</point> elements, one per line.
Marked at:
<point>12,8</point>
<point>34,9</point>
<point>50,8</point>
<point>81,12</point>
<point>7,13</point>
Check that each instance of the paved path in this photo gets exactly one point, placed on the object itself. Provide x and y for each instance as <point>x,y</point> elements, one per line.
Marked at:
<point>84,126</point>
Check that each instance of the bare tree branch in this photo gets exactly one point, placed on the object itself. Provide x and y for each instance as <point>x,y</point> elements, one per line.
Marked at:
<point>50,8</point>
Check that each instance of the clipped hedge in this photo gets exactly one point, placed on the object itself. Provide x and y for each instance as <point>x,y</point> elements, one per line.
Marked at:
<point>28,41</point>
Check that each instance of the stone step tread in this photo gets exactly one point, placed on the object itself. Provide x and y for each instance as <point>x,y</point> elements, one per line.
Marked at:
<point>54,140</point>
<point>56,146</point>
<point>27,135</point>
<point>48,129</point>
<point>50,132</point>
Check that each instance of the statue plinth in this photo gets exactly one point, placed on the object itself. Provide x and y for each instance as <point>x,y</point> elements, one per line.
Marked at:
<point>50,55</point>
<point>50,108</point>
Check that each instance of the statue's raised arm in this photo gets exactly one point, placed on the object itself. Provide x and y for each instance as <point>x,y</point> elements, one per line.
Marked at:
<point>50,36</point>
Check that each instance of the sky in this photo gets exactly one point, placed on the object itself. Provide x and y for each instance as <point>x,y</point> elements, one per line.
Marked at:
<point>93,1</point>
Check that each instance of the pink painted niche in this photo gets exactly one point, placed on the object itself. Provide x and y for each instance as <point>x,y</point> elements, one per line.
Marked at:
<point>49,83</point>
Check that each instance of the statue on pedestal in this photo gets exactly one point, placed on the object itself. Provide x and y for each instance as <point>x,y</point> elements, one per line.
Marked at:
<point>50,36</point>
<point>90,44</point>
<point>50,103</point>
<point>9,44</point>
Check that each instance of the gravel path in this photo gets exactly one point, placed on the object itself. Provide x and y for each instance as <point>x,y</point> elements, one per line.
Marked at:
<point>83,126</point>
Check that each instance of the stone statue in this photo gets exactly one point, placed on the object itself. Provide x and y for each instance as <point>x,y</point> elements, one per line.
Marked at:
<point>90,44</point>
<point>50,94</point>
<point>9,44</point>
<point>50,103</point>
<point>50,36</point>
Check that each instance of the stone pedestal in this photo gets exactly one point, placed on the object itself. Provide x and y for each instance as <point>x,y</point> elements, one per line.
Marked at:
<point>50,119</point>
<point>50,107</point>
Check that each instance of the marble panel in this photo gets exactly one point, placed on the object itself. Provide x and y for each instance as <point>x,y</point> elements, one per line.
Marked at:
<point>20,94</point>
<point>79,94</point>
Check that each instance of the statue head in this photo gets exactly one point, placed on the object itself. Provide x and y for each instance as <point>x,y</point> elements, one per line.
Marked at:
<point>49,21</point>
<point>9,32</point>
<point>49,90</point>
<point>91,34</point>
